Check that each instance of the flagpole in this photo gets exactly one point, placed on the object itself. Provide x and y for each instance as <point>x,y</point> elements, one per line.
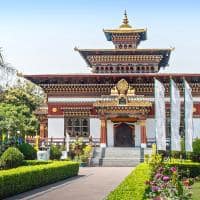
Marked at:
<point>170,147</point>
<point>155,112</point>
<point>184,116</point>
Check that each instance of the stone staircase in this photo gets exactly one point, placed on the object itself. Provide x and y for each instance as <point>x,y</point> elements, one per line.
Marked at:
<point>117,156</point>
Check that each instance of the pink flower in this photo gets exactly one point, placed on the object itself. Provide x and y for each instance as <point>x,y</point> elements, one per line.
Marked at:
<point>155,188</point>
<point>173,169</point>
<point>157,198</point>
<point>161,169</point>
<point>166,178</point>
<point>158,175</point>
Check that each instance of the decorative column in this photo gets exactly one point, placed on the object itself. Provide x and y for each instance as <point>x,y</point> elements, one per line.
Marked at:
<point>143,134</point>
<point>103,139</point>
<point>42,130</point>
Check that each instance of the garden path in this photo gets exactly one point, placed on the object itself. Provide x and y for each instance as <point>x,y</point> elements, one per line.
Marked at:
<point>92,183</point>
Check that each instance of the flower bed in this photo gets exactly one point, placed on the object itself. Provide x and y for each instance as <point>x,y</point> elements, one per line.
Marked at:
<point>133,187</point>
<point>166,183</point>
<point>170,180</point>
<point>24,178</point>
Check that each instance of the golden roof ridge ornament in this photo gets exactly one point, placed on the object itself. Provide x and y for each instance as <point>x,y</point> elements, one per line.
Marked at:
<point>125,23</point>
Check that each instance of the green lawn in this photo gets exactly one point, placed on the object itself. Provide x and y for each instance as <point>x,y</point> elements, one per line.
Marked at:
<point>196,191</point>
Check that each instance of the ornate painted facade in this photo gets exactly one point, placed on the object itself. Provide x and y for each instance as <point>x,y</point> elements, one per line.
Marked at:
<point>114,103</point>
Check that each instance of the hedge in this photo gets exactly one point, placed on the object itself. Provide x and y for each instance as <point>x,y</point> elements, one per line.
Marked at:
<point>133,187</point>
<point>183,167</point>
<point>36,162</point>
<point>24,178</point>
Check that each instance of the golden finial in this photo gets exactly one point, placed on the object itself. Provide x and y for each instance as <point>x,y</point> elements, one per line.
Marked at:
<point>125,23</point>
<point>125,20</point>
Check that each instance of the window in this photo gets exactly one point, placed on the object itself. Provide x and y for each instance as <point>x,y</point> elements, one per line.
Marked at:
<point>77,127</point>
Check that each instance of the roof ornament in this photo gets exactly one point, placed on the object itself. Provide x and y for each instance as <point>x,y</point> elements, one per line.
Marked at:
<point>125,22</point>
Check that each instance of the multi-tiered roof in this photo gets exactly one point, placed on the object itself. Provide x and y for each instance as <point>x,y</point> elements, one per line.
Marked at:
<point>125,57</point>
<point>125,61</point>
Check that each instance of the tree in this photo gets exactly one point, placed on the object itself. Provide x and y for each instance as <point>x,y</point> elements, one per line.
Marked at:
<point>19,99</point>
<point>25,93</point>
<point>17,106</point>
<point>17,118</point>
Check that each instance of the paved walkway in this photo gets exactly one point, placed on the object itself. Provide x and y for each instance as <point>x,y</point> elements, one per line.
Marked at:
<point>91,184</point>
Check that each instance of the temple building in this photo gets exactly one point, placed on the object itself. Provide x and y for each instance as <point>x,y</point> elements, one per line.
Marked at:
<point>115,102</point>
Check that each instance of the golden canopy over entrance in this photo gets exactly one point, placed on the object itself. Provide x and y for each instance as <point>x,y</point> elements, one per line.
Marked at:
<point>123,101</point>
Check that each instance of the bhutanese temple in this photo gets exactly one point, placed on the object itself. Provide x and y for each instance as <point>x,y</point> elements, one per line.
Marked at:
<point>114,104</point>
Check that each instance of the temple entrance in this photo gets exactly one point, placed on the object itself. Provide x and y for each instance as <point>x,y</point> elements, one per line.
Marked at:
<point>124,135</point>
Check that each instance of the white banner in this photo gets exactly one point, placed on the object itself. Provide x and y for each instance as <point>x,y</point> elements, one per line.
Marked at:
<point>175,116</point>
<point>160,115</point>
<point>188,100</point>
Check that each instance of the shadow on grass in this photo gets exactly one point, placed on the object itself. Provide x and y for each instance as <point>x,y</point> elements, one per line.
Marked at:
<point>33,194</point>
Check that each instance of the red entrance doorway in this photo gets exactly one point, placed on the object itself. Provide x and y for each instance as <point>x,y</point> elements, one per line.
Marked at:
<point>124,135</point>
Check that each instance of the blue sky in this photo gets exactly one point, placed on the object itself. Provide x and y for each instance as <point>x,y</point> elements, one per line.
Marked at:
<point>39,36</point>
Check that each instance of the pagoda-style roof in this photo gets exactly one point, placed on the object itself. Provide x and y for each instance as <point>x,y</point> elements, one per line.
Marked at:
<point>95,85</point>
<point>125,57</point>
<point>99,56</point>
<point>108,32</point>
<point>125,33</point>
<point>91,78</point>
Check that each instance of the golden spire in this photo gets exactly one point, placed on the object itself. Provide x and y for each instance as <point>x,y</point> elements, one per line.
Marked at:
<point>125,20</point>
<point>125,23</point>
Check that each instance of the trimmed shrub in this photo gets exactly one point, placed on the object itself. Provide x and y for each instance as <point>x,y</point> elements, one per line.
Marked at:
<point>25,178</point>
<point>133,187</point>
<point>28,151</point>
<point>186,169</point>
<point>55,152</point>
<point>11,158</point>
<point>36,162</point>
<point>196,150</point>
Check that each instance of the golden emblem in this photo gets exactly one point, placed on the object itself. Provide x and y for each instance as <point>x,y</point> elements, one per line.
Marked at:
<point>54,109</point>
<point>122,86</point>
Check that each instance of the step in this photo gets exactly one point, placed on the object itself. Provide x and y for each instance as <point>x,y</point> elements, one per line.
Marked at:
<point>121,154</point>
<point>119,162</point>
<point>117,156</point>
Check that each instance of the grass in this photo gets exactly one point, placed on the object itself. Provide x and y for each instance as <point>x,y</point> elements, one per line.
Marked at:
<point>196,191</point>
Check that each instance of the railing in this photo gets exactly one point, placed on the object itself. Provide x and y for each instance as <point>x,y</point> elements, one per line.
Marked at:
<point>94,141</point>
<point>60,141</point>
<point>151,141</point>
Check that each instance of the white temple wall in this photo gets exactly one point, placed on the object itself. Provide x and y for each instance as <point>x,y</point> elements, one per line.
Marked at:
<point>150,128</point>
<point>196,124</point>
<point>95,125</point>
<point>110,134</point>
<point>56,127</point>
<point>137,135</point>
